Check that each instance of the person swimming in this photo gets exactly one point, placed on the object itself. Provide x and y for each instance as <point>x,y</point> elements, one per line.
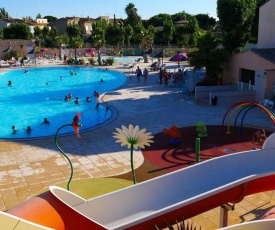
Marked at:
<point>14,130</point>
<point>9,83</point>
<point>70,96</point>
<point>88,99</point>
<point>76,100</point>
<point>45,122</point>
<point>28,129</point>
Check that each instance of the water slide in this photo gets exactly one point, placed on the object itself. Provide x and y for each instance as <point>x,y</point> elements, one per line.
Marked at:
<point>10,222</point>
<point>181,194</point>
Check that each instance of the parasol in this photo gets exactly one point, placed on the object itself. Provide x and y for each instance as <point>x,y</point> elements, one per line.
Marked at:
<point>179,57</point>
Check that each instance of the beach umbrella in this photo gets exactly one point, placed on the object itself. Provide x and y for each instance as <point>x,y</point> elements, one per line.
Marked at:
<point>148,51</point>
<point>34,52</point>
<point>91,52</point>
<point>159,55</point>
<point>43,50</point>
<point>8,50</point>
<point>179,57</point>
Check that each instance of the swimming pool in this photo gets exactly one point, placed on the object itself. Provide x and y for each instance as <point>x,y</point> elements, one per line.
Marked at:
<point>40,94</point>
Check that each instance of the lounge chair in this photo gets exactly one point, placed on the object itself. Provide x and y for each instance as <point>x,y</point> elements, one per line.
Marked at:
<point>154,66</point>
<point>138,60</point>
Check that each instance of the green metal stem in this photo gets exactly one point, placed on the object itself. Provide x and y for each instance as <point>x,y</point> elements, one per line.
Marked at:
<point>198,148</point>
<point>132,164</point>
<point>72,169</point>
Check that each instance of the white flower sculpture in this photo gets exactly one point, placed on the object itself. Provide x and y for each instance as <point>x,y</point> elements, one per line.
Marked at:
<point>133,138</point>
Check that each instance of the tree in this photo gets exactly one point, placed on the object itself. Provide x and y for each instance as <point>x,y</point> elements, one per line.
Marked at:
<point>49,38</point>
<point>38,36</point>
<point>158,20</point>
<point>1,33</point>
<point>147,39</point>
<point>17,31</point>
<point>168,30</point>
<point>50,18</point>
<point>205,22</point>
<point>114,35</point>
<point>128,34</point>
<point>180,16</point>
<point>236,19</point>
<point>76,42</point>
<point>59,40</point>
<point>27,18</point>
<point>4,14</point>
<point>134,20</point>
<point>211,57</point>
<point>98,37</point>
<point>73,30</point>
<point>38,16</point>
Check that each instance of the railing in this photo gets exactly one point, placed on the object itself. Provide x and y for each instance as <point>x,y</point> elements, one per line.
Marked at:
<point>98,116</point>
<point>242,86</point>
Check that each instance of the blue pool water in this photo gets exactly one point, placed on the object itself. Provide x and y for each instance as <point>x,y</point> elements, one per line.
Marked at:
<point>131,59</point>
<point>40,94</point>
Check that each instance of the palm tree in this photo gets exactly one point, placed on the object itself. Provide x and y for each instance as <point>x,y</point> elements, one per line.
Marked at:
<point>59,40</point>
<point>4,14</point>
<point>147,39</point>
<point>131,10</point>
<point>210,56</point>
<point>76,42</point>
<point>98,37</point>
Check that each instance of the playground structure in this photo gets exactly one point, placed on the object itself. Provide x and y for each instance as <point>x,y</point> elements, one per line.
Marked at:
<point>153,202</point>
<point>243,108</point>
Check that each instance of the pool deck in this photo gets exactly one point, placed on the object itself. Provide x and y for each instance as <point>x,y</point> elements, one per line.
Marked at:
<point>27,167</point>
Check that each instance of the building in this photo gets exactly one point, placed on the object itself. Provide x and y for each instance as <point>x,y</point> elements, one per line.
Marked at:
<point>255,68</point>
<point>39,22</point>
<point>20,45</point>
<point>85,24</point>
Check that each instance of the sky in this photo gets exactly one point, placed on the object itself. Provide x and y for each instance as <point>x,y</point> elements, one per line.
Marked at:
<point>96,8</point>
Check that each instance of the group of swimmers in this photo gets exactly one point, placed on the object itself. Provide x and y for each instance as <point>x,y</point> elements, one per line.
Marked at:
<point>72,73</point>
<point>68,97</point>
<point>45,122</point>
<point>77,101</point>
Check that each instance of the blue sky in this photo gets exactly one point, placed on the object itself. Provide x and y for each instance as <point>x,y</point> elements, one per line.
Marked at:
<point>95,8</point>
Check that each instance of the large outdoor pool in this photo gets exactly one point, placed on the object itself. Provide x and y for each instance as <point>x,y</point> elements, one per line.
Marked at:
<point>40,94</point>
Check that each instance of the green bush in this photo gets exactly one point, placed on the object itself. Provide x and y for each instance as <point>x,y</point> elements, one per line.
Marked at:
<point>92,61</point>
<point>109,61</point>
<point>15,54</point>
<point>81,61</point>
<point>70,60</point>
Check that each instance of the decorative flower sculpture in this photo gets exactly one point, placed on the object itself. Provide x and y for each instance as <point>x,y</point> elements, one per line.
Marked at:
<point>173,132</point>
<point>133,138</point>
<point>75,126</point>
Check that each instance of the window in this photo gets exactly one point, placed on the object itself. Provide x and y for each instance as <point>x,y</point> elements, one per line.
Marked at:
<point>247,75</point>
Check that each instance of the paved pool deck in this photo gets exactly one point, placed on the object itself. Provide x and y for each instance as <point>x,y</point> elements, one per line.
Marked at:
<point>29,166</point>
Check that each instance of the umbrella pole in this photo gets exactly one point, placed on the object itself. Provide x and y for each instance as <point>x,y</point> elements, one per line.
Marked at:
<point>162,57</point>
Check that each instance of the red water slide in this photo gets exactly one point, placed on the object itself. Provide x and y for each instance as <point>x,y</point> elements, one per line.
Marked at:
<point>196,189</point>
